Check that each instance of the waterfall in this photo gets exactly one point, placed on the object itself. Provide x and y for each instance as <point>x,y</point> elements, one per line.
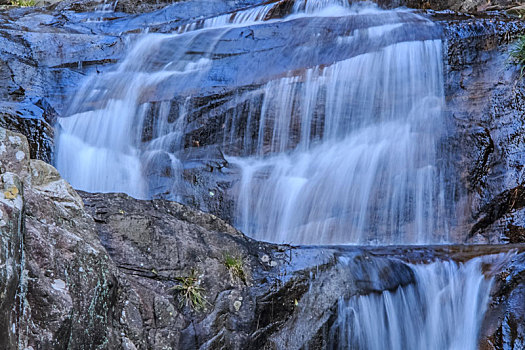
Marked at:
<point>333,126</point>
<point>100,145</point>
<point>443,309</point>
<point>314,6</point>
<point>340,148</point>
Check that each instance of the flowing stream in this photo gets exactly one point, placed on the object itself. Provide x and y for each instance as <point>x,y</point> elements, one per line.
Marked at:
<point>335,133</point>
<point>371,175</point>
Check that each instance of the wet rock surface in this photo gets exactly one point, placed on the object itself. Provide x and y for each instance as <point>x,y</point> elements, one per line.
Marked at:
<point>485,106</point>
<point>504,325</point>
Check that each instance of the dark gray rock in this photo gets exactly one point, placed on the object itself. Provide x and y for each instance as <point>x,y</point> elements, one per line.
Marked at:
<point>504,324</point>
<point>485,106</point>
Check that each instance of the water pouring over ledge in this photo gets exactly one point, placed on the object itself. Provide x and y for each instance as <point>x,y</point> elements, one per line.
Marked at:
<point>443,309</point>
<point>370,175</point>
<point>340,148</point>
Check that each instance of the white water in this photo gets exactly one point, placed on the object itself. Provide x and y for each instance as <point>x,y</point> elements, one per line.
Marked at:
<point>101,150</point>
<point>364,169</point>
<point>443,310</point>
<point>308,6</point>
<point>244,17</point>
<point>363,130</point>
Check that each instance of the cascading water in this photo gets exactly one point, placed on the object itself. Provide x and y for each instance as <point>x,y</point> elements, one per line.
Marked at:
<point>370,175</point>
<point>336,142</point>
<point>344,151</point>
<point>314,6</point>
<point>100,144</point>
<point>443,309</point>
<point>365,134</point>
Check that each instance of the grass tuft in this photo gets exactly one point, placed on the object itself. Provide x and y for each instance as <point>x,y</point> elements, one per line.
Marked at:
<point>236,266</point>
<point>23,3</point>
<point>517,54</point>
<point>189,292</point>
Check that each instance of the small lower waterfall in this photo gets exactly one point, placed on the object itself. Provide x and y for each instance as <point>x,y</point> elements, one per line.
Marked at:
<point>444,309</point>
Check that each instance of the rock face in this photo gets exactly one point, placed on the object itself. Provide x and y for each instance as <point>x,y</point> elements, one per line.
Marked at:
<point>57,273</point>
<point>504,326</point>
<point>471,6</point>
<point>485,106</point>
<point>11,239</point>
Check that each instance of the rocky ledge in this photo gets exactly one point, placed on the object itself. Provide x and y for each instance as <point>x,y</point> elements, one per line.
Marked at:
<point>106,271</point>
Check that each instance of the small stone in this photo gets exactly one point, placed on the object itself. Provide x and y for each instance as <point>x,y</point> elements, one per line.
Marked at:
<point>20,155</point>
<point>265,258</point>
<point>59,285</point>
<point>237,305</point>
<point>273,263</point>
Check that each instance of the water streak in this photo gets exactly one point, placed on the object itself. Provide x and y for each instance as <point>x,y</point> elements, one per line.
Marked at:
<point>244,17</point>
